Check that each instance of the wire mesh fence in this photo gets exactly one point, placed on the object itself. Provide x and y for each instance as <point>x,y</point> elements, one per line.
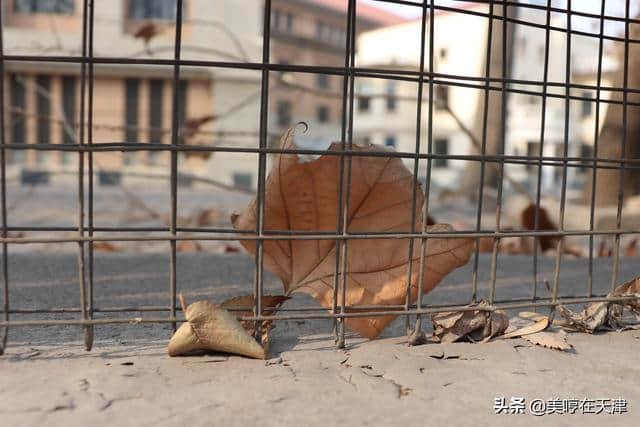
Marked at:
<point>498,17</point>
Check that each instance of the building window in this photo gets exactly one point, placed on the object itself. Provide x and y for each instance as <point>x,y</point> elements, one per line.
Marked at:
<point>587,104</point>
<point>155,111</point>
<point>364,103</point>
<point>131,109</point>
<point>391,96</point>
<point>441,147</point>
<point>242,179</point>
<point>69,107</point>
<point>17,110</point>
<point>323,114</point>
<point>43,108</point>
<point>322,81</point>
<point>289,22</point>
<point>131,102</point>
<point>275,20</point>
<point>155,117</point>
<point>153,9</point>
<point>321,29</point>
<point>182,103</point>
<point>442,97</point>
<point>586,150</point>
<point>43,6</point>
<point>390,141</point>
<point>283,110</point>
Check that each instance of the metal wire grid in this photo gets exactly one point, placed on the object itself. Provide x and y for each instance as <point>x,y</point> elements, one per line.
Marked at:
<point>86,148</point>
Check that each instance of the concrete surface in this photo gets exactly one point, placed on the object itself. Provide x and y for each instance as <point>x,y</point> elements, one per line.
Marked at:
<point>46,378</point>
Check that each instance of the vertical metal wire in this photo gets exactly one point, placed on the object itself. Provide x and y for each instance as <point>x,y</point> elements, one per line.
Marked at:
<point>262,163</point>
<point>563,195</point>
<point>623,147</point>
<point>417,336</point>
<point>543,120</point>
<point>483,152</point>
<point>506,75</point>
<point>88,333</point>
<point>596,135</point>
<point>341,247</point>
<point>3,197</point>
<point>174,161</point>
<point>345,214</point>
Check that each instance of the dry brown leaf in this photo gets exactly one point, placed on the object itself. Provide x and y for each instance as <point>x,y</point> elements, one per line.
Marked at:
<point>147,31</point>
<point>632,248</point>
<point>270,303</point>
<point>593,317</point>
<point>531,315</point>
<point>540,325</point>
<point>553,340</point>
<point>475,325</point>
<point>604,315</point>
<point>544,223</point>
<point>210,327</point>
<point>303,196</point>
<point>605,249</point>
<point>632,287</point>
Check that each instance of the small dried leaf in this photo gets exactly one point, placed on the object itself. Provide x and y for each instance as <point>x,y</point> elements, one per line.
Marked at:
<point>632,248</point>
<point>531,315</point>
<point>540,325</point>
<point>147,31</point>
<point>588,320</point>
<point>544,223</point>
<point>632,287</point>
<point>211,327</point>
<point>476,325</point>
<point>269,305</point>
<point>553,340</point>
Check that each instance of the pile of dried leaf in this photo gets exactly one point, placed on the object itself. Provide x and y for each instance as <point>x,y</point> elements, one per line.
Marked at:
<point>479,324</point>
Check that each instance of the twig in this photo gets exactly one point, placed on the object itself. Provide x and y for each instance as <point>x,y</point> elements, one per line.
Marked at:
<point>182,303</point>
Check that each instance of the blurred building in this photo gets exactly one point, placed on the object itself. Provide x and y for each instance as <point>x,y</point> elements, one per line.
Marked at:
<point>386,110</point>
<point>313,33</point>
<point>132,102</point>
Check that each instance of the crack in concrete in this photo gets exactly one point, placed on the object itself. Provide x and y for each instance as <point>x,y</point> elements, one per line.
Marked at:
<point>348,380</point>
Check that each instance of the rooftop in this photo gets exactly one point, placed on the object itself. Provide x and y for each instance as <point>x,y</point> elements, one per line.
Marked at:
<point>366,11</point>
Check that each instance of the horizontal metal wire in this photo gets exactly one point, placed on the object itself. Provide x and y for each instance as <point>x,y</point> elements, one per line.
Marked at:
<point>380,312</point>
<point>251,235</point>
<point>123,309</point>
<point>579,162</point>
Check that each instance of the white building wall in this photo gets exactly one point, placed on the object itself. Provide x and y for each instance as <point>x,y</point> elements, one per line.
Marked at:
<point>460,44</point>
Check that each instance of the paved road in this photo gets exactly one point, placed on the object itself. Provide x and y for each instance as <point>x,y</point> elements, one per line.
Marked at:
<point>39,280</point>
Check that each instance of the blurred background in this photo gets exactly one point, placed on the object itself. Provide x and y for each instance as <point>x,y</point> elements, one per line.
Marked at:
<point>220,106</point>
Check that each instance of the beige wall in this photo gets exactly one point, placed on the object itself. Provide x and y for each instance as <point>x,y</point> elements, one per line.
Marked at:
<point>108,116</point>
